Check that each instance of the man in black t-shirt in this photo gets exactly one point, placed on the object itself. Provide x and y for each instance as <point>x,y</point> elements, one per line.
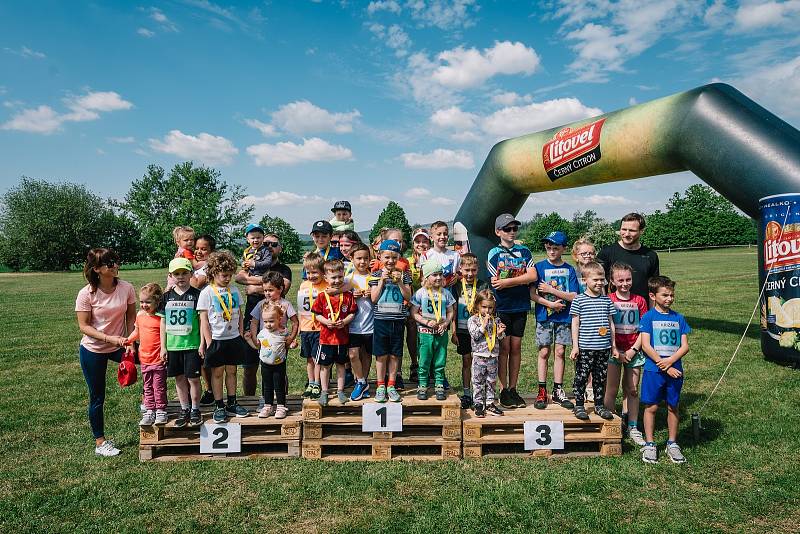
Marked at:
<point>630,250</point>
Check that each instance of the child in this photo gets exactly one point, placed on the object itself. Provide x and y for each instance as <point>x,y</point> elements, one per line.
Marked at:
<point>420,243</point>
<point>342,216</point>
<point>151,356</point>
<point>558,285</point>
<point>630,309</point>
<point>362,327</point>
<point>321,233</point>
<point>180,341</point>
<point>256,260</point>
<point>466,294</point>
<point>449,259</point>
<point>593,340</point>
<point>433,309</point>
<point>665,342</point>
<point>583,252</point>
<point>347,241</point>
<point>222,322</point>
<point>204,246</point>
<point>309,327</point>
<point>484,333</point>
<point>389,288</point>
<point>272,285</point>
<point>334,313</point>
<point>257,257</point>
<point>271,345</point>
<point>511,268</point>
<point>184,239</point>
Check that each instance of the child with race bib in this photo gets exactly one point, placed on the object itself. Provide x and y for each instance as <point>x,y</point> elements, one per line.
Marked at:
<point>465,291</point>
<point>151,355</point>
<point>665,342</point>
<point>584,253</point>
<point>180,338</point>
<point>309,327</point>
<point>630,309</point>
<point>432,308</point>
<point>362,327</point>
<point>270,342</point>
<point>485,331</point>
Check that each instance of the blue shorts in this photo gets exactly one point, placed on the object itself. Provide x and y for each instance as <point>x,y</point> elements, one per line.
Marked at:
<point>659,386</point>
<point>309,344</point>
<point>387,338</point>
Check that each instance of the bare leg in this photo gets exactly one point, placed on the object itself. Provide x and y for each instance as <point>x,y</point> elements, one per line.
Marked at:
<point>649,421</point>
<point>672,422</point>
<point>544,355</point>
<point>394,362</point>
<point>206,374</point>
<point>230,379</point>
<point>514,361</point>
<point>310,369</point>
<point>355,362</point>
<point>612,386</point>
<point>216,381</point>
<point>324,376</point>
<point>339,377</point>
<point>194,391</point>
<point>182,387</point>
<point>630,385</point>
<point>380,367</point>
<point>466,371</point>
<point>366,362</point>
<point>559,364</point>
<point>502,362</point>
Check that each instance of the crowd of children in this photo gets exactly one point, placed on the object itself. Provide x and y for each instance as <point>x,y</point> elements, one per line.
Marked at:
<point>359,301</point>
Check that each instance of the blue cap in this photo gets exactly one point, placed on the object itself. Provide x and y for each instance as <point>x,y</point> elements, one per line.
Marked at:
<point>556,238</point>
<point>390,245</point>
<point>253,228</point>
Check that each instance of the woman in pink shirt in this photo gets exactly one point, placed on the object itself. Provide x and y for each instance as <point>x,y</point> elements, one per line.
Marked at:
<point>106,309</point>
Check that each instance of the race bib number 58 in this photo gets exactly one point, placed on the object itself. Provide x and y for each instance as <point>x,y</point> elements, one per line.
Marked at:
<point>179,317</point>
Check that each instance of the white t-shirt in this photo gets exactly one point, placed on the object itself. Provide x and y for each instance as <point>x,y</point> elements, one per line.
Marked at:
<point>221,328</point>
<point>283,303</point>
<point>450,260</point>
<point>364,322</point>
<point>272,346</point>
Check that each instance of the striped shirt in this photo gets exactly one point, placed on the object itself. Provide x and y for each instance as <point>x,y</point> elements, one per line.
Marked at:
<point>596,316</point>
<point>390,305</point>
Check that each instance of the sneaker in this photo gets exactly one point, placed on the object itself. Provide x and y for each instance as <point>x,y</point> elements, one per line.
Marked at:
<point>236,410</point>
<point>342,396</point>
<point>635,435</point>
<point>398,382</point>
<point>281,412</point>
<point>207,399</point>
<point>349,378</point>
<point>422,393</point>
<point>106,449</point>
<point>505,399</point>
<point>603,412</point>
<point>494,410</point>
<point>183,418</point>
<point>195,419</point>
<point>316,389</point>
<point>358,391</point>
<point>366,391</point>
<point>650,453</point>
<point>394,396</point>
<point>518,401</point>
<point>308,391</point>
<point>580,413</point>
<point>541,399</point>
<point>265,412</point>
<point>560,397</point>
<point>674,453</point>
<point>380,394</point>
<point>148,419</point>
<point>466,402</point>
<point>322,399</point>
<point>142,409</point>
<point>219,415</point>
<point>161,417</point>
<point>440,393</point>
<point>479,411</point>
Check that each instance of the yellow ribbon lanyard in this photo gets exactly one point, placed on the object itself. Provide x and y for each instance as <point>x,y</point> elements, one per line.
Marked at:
<point>227,312</point>
<point>469,297</point>
<point>491,341</point>
<point>437,307</point>
<point>327,251</point>
<point>334,314</point>
<point>248,253</point>
<point>353,281</point>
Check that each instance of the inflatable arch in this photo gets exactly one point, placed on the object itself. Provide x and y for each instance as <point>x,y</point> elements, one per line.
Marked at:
<point>737,147</point>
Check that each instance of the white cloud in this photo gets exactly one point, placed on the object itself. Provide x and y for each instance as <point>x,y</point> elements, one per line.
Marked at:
<point>441,158</point>
<point>510,98</point>
<point>442,201</point>
<point>453,117</point>
<point>100,101</point>
<point>122,140</point>
<point>288,153</point>
<point>387,5</point>
<point>267,130</point>
<point>284,198</point>
<point>372,199</point>
<point>470,67</point>
<point>418,77</point>
<point>443,14</point>
<point>211,149</point>
<point>45,120</point>
<point>159,16</point>
<point>417,192</point>
<point>222,17</point>
<point>100,152</point>
<point>776,86</point>
<point>26,52</point>
<point>520,120</point>
<point>144,32</point>
<point>302,117</point>
<point>394,37</point>
<point>605,200</point>
<point>756,16</point>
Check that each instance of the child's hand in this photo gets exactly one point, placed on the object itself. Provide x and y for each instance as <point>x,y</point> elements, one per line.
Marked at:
<point>293,344</point>
<point>557,306</point>
<point>674,373</point>
<point>501,328</point>
<point>385,274</point>
<point>573,354</point>
<point>248,335</point>
<point>664,364</point>
<point>615,353</point>
<point>163,356</point>
<point>201,350</point>
<point>544,287</point>
<point>454,339</point>
<point>498,283</point>
<point>358,293</point>
<point>628,355</point>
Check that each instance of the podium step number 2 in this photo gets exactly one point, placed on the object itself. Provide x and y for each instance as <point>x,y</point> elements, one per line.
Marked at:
<point>377,417</point>
<point>544,435</point>
<point>223,438</point>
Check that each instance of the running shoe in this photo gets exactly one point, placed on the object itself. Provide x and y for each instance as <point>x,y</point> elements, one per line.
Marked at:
<point>183,418</point>
<point>635,435</point>
<point>106,449</point>
<point>394,396</point>
<point>380,394</point>
<point>674,453</point>
<point>358,391</point>
<point>560,397</point>
<point>494,410</point>
<point>541,399</point>
<point>580,413</point>
<point>650,453</point>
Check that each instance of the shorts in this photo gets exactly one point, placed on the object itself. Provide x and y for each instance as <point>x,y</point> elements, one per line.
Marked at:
<point>330,354</point>
<point>361,340</point>
<point>309,344</point>
<point>464,344</point>
<point>515,322</point>
<point>387,337</point>
<point>636,362</point>
<point>658,386</point>
<point>547,331</point>
<point>183,362</point>
<point>225,352</point>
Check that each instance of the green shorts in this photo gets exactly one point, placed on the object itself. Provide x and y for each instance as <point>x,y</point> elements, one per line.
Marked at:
<point>637,361</point>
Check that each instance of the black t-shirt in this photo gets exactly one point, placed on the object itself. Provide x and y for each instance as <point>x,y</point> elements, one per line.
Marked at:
<point>644,262</point>
<point>282,268</point>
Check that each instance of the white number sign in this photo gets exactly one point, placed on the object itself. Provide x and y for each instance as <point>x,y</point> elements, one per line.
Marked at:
<point>544,435</point>
<point>376,417</point>
<point>220,438</point>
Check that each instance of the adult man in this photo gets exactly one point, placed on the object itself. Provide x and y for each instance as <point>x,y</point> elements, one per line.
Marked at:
<point>255,293</point>
<point>630,250</point>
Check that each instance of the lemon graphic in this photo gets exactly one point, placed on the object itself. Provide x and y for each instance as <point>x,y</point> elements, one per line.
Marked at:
<point>783,317</point>
<point>791,314</point>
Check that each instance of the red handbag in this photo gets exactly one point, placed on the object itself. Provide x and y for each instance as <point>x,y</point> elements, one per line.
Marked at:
<point>126,372</point>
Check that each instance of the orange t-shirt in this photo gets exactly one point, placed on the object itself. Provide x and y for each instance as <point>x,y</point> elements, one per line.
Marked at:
<point>306,295</point>
<point>401,265</point>
<point>148,333</point>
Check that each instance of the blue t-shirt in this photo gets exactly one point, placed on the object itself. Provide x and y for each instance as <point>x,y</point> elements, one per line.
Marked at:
<point>665,331</point>
<point>511,262</point>
<point>562,277</point>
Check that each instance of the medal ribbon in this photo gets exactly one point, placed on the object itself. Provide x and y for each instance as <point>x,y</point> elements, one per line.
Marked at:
<point>334,315</point>
<point>437,306</point>
<point>227,311</point>
<point>491,341</point>
<point>469,297</point>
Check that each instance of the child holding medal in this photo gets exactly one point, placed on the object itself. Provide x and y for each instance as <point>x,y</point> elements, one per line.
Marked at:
<point>485,331</point>
<point>465,292</point>
<point>221,324</point>
<point>362,327</point>
<point>432,308</point>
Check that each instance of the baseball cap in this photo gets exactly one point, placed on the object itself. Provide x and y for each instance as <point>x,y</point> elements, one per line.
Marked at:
<point>556,238</point>
<point>180,263</point>
<point>253,228</point>
<point>390,245</point>
<point>503,220</point>
<point>341,205</point>
<point>419,232</point>
<point>322,226</point>
<point>431,267</point>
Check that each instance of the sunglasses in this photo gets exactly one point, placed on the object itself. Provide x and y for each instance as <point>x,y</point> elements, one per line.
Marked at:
<point>110,263</point>
<point>509,229</point>
<point>334,242</point>
<point>272,244</point>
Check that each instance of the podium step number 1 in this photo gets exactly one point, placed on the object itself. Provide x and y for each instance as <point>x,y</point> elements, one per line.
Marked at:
<point>544,435</point>
<point>377,417</point>
<point>222,438</point>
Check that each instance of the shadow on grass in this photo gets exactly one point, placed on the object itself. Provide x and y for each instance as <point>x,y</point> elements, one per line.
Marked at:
<point>725,327</point>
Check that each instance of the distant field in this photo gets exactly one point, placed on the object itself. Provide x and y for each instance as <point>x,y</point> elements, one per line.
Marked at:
<point>741,477</point>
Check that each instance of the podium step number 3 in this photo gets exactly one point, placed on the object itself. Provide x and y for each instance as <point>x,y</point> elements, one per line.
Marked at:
<point>544,435</point>
<point>223,438</point>
<point>377,417</point>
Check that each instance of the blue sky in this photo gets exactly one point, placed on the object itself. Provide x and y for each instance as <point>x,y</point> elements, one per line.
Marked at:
<point>305,102</point>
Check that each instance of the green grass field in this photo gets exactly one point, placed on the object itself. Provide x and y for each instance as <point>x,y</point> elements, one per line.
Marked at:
<point>741,477</point>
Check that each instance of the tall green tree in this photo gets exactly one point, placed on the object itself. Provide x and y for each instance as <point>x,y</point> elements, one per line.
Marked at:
<point>540,225</point>
<point>190,196</point>
<point>392,216</point>
<point>292,247</point>
<point>582,223</point>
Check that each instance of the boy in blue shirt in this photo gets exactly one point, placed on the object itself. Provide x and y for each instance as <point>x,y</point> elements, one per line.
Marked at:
<point>664,341</point>
<point>321,233</point>
<point>558,286</point>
